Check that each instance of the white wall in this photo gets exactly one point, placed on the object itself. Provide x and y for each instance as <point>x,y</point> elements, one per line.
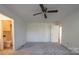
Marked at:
<point>19,27</point>
<point>20,33</point>
<point>41,32</point>
<point>37,32</point>
<point>1,37</point>
<point>71,31</point>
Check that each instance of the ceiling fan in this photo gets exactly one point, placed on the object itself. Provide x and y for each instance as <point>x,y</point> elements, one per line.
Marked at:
<point>45,11</point>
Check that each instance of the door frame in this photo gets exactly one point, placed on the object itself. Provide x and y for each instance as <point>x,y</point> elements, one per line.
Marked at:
<point>13,40</point>
<point>1,36</point>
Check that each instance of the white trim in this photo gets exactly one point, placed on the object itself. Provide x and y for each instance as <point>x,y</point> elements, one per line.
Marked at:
<point>13,35</point>
<point>1,36</point>
<point>60,34</point>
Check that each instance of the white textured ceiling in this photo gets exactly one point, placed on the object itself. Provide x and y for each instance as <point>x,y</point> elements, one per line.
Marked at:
<point>26,11</point>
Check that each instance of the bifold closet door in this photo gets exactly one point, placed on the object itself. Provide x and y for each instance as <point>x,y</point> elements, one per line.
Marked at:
<point>38,32</point>
<point>1,36</point>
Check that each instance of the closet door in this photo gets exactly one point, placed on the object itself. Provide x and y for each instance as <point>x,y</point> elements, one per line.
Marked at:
<point>1,36</point>
<point>55,30</point>
<point>38,32</point>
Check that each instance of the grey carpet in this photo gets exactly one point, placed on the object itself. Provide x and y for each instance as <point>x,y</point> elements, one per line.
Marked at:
<point>41,48</point>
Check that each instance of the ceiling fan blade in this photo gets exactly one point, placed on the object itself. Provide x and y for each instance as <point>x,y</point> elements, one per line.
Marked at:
<point>37,14</point>
<point>52,11</point>
<point>42,7</point>
<point>45,16</point>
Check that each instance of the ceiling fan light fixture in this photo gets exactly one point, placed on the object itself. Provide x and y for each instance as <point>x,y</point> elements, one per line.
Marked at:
<point>45,11</point>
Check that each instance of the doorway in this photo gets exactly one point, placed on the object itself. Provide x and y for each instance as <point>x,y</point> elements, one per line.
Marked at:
<point>7,40</point>
<point>6,34</point>
<point>56,33</point>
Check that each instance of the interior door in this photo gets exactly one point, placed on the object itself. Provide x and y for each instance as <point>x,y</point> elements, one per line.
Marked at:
<point>55,30</point>
<point>1,36</point>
